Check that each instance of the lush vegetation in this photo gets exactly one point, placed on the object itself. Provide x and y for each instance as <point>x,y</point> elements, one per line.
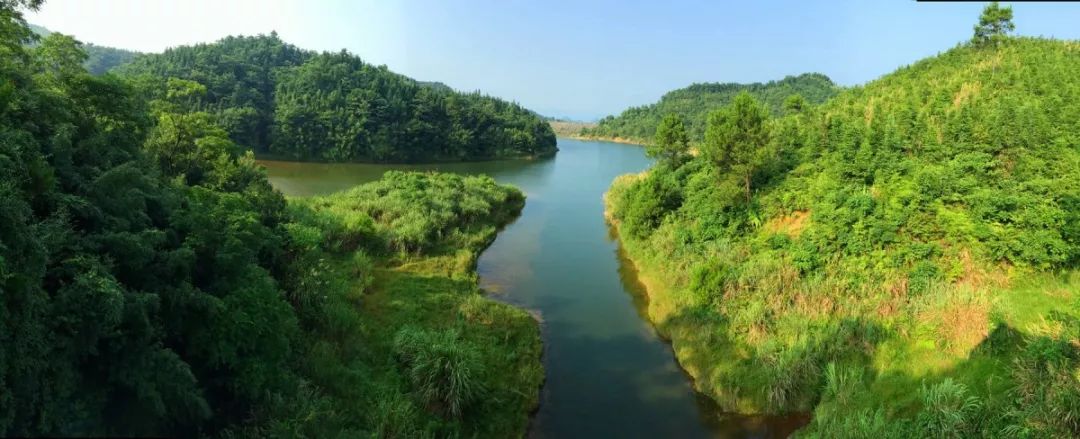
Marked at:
<point>154,284</point>
<point>903,261</point>
<point>401,339</point>
<point>694,103</point>
<point>99,59</point>
<point>288,102</point>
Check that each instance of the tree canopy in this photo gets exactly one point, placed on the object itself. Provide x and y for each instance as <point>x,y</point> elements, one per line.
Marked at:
<point>994,25</point>
<point>277,99</point>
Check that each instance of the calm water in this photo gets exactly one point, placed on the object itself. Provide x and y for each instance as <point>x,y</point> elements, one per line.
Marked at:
<point>608,373</point>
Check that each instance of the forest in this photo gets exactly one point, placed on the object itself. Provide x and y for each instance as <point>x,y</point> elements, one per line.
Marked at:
<point>900,261</point>
<point>694,103</point>
<point>155,284</point>
<point>286,102</point>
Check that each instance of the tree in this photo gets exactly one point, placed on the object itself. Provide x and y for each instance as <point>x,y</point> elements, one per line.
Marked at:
<point>994,23</point>
<point>671,141</point>
<point>13,29</point>
<point>61,55</point>
<point>736,138</point>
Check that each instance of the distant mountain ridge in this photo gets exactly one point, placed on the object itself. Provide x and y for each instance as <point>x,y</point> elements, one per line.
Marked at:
<point>694,102</point>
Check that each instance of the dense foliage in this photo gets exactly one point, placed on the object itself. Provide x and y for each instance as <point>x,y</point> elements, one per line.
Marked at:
<point>907,264</point>
<point>99,59</point>
<point>278,99</point>
<point>134,302</point>
<point>154,283</point>
<point>694,103</point>
<point>401,338</point>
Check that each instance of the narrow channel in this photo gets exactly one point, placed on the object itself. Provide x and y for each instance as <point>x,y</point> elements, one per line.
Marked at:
<point>608,373</point>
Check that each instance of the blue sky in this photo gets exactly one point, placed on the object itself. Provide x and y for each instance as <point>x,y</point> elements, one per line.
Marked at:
<point>582,59</point>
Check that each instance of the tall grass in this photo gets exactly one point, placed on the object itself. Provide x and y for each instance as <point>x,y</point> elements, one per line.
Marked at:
<point>443,369</point>
<point>401,342</point>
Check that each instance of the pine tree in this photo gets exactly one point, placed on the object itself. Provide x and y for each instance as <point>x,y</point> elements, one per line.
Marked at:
<point>736,138</point>
<point>671,142</point>
<point>994,25</point>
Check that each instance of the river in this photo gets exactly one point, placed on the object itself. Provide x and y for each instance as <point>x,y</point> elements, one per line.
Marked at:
<point>608,373</point>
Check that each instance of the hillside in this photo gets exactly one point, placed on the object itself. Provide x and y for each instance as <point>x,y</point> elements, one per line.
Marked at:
<point>155,285</point>
<point>99,59</point>
<point>907,264</point>
<point>568,128</point>
<point>288,102</point>
<point>693,104</point>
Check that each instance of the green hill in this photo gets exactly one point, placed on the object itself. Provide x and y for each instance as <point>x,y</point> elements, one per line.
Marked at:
<point>298,104</point>
<point>907,264</point>
<point>693,103</point>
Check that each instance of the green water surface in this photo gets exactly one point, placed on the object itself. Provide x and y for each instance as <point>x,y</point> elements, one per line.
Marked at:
<point>608,373</point>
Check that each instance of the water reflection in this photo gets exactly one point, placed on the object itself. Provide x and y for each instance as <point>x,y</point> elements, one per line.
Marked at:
<point>722,424</point>
<point>608,373</point>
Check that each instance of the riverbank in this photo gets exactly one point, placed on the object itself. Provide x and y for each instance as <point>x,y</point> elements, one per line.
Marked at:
<point>409,345</point>
<point>572,130</point>
<point>695,349</point>
<point>608,374</point>
<point>441,293</point>
<point>267,157</point>
<point>621,140</point>
<point>894,365</point>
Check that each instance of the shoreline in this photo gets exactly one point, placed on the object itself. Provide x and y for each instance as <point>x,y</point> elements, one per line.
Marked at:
<point>538,321</point>
<point>654,292</point>
<point>661,305</point>
<point>621,140</point>
<point>523,158</point>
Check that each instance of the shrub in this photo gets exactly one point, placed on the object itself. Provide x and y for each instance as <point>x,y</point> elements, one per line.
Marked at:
<point>443,369</point>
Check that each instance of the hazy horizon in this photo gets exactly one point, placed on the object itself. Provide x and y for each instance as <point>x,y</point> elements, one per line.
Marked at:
<point>568,60</point>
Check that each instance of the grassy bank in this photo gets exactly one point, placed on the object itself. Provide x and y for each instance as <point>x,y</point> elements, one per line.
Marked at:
<point>405,343</point>
<point>994,361</point>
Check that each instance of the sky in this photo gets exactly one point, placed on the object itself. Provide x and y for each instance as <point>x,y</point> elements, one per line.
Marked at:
<point>581,59</point>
